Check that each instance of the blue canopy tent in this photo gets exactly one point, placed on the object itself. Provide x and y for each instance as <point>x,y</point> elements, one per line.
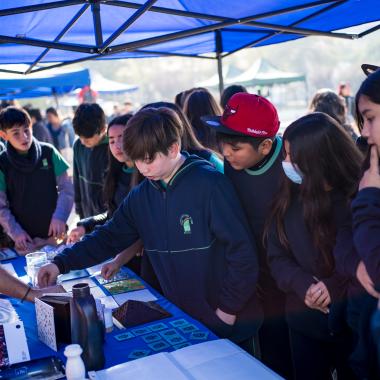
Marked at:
<point>38,32</point>
<point>53,83</point>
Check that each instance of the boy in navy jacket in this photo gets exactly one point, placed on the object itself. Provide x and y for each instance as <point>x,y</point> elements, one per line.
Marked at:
<point>252,161</point>
<point>90,159</point>
<point>192,226</point>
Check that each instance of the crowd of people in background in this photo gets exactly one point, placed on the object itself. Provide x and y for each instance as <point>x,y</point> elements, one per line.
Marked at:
<point>271,241</point>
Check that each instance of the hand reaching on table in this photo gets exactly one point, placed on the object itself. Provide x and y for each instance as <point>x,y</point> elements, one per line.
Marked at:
<point>22,242</point>
<point>110,269</point>
<point>47,275</point>
<point>36,293</point>
<point>57,228</point>
<point>76,234</point>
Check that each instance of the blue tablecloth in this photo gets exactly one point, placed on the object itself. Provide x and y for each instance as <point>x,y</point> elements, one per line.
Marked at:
<point>116,351</point>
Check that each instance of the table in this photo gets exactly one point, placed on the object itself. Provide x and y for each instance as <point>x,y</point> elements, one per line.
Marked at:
<point>115,351</point>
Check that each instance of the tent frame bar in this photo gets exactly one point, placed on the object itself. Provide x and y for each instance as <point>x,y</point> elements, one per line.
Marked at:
<point>209,17</point>
<point>40,7</point>
<point>126,25</point>
<point>276,33</point>
<point>95,9</point>
<point>168,37</point>
<point>103,49</point>
<point>219,51</point>
<point>60,35</point>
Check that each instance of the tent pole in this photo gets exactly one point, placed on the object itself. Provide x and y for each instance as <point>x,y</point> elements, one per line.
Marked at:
<point>219,51</point>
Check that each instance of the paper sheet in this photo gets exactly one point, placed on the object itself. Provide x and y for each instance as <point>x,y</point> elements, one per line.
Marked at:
<point>157,367</point>
<point>221,360</point>
<point>143,295</point>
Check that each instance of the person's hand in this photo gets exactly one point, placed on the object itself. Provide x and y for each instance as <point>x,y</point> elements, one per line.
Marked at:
<point>76,234</point>
<point>110,269</point>
<point>229,319</point>
<point>47,275</point>
<point>37,293</point>
<point>371,177</point>
<point>57,228</point>
<point>22,241</point>
<point>364,279</point>
<point>318,297</point>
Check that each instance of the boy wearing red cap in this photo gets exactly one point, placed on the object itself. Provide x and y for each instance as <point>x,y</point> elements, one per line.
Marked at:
<point>253,154</point>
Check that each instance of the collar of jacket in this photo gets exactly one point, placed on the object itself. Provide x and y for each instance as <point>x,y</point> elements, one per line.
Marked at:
<point>191,160</point>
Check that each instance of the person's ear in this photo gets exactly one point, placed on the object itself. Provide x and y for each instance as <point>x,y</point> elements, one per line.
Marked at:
<point>4,135</point>
<point>174,150</point>
<point>265,147</point>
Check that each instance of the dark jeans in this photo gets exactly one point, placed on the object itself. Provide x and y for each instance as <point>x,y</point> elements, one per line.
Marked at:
<point>316,359</point>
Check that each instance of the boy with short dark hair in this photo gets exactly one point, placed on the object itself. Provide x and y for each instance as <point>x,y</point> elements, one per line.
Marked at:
<point>192,226</point>
<point>90,159</point>
<point>253,162</point>
<point>36,195</point>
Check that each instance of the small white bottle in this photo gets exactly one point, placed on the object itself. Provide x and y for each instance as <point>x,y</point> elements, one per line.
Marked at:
<point>108,322</point>
<point>75,369</point>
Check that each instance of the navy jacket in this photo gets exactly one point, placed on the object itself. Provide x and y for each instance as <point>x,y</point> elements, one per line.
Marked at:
<point>89,169</point>
<point>197,239</point>
<point>297,268</point>
<point>366,225</point>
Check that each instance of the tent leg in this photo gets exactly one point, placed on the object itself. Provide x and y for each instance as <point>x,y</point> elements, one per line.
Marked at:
<point>219,51</point>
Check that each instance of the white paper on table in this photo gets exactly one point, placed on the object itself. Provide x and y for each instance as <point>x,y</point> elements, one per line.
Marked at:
<point>158,367</point>
<point>143,295</point>
<point>109,302</point>
<point>96,268</point>
<point>67,285</point>
<point>9,268</point>
<point>16,343</point>
<point>7,312</point>
<point>97,292</point>
<point>221,360</point>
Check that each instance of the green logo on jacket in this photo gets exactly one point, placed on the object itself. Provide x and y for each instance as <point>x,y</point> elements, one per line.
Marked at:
<point>186,222</point>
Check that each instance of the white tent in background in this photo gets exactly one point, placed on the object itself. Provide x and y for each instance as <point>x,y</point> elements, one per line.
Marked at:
<point>264,73</point>
<point>106,86</point>
<point>229,71</point>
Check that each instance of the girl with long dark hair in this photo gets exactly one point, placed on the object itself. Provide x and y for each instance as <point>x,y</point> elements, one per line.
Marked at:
<point>200,103</point>
<point>321,171</point>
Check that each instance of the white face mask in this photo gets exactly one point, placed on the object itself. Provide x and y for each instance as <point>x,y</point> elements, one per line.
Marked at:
<point>292,172</point>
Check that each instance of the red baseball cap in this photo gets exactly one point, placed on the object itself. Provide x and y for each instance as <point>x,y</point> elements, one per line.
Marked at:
<point>246,115</point>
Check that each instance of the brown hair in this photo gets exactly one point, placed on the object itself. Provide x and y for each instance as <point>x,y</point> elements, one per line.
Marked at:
<point>151,131</point>
<point>200,103</point>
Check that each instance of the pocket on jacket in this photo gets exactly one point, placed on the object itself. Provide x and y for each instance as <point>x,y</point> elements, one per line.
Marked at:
<point>214,323</point>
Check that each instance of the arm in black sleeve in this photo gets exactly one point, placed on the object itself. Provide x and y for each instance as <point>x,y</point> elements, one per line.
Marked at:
<point>288,274</point>
<point>77,194</point>
<point>91,222</point>
<point>229,226</point>
<point>345,255</point>
<point>366,227</point>
<point>105,242</point>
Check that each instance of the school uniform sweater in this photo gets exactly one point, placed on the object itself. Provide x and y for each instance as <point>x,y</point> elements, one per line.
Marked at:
<point>31,191</point>
<point>89,169</point>
<point>296,269</point>
<point>366,237</point>
<point>121,191</point>
<point>197,240</point>
<point>256,189</point>
<point>366,227</point>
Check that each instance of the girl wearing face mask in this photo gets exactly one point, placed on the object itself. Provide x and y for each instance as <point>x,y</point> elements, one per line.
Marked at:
<point>321,170</point>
